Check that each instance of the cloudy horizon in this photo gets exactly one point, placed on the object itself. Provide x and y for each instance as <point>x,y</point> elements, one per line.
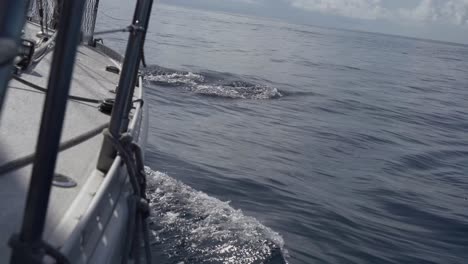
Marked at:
<point>445,20</point>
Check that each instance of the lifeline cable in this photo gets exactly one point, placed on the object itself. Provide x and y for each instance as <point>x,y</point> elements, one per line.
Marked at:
<point>42,89</point>
<point>28,159</point>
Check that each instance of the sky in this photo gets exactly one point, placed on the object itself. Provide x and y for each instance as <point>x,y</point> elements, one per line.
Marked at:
<point>445,20</point>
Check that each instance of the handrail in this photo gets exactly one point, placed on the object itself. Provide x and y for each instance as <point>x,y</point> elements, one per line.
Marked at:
<point>25,247</point>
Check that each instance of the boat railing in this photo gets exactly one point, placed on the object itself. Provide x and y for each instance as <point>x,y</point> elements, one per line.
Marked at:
<point>46,13</point>
<point>28,246</point>
<point>127,82</point>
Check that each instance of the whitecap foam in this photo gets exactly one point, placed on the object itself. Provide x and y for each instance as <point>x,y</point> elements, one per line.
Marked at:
<point>175,78</point>
<point>238,92</point>
<point>211,85</point>
<point>192,227</point>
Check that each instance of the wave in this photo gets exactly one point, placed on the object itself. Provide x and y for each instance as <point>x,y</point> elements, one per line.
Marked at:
<point>173,78</point>
<point>211,84</point>
<point>238,90</point>
<point>191,227</point>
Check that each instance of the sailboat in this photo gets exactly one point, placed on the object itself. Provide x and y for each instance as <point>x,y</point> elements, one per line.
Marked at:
<point>73,127</point>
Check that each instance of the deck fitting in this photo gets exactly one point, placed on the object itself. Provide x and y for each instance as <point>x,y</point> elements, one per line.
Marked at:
<point>63,181</point>
<point>107,105</point>
<point>113,69</point>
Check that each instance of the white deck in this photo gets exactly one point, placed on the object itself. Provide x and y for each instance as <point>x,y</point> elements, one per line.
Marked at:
<point>19,125</point>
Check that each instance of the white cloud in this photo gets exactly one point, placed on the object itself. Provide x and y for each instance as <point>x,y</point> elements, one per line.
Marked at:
<point>364,9</point>
<point>445,11</point>
<point>249,1</point>
<point>440,11</point>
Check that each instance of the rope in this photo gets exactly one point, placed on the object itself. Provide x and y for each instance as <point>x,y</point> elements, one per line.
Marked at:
<point>143,59</point>
<point>29,159</point>
<point>110,31</point>
<point>132,210</point>
<point>131,154</point>
<point>144,224</point>
<point>42,89</point>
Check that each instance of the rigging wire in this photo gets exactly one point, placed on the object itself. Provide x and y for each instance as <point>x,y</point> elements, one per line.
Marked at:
<point>111,17</point>
<point>125,29</point>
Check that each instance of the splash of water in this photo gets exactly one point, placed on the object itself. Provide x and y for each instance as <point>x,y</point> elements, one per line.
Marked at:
<point>219,87</point>
<point>175,78</point>
<point>238,90</point>
<point>191,227</point>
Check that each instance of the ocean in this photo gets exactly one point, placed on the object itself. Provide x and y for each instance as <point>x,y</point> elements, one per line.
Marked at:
<point>320,145</point>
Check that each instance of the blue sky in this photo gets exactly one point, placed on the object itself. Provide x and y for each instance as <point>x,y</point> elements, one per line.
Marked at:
<point>445,20</point>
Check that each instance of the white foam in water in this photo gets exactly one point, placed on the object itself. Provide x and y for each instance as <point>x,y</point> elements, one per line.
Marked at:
<point>196,83</point>
<point>191,227</point>
<point>244,92</point>
<point>176,78</point>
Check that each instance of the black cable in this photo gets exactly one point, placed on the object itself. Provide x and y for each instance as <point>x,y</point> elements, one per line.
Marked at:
<point>29,159</point>
<point>146,240</point>
<point>136,239</point>
<point>143,59</point>
<point>132,210</point>
<point>143,217</point>
<point>110,31</point>
<point>131,154</point>
<point>42,89</point>
<point>111,17</point>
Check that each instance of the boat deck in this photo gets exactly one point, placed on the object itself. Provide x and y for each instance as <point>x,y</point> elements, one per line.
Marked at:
<point>20,122</point>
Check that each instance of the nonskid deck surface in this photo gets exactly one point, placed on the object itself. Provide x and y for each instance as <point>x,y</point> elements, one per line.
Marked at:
<point>20,122</point>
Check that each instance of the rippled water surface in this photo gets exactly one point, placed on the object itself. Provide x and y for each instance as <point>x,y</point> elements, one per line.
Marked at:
<point>344,147</point>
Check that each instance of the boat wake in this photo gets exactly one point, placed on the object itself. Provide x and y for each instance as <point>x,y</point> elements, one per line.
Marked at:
<point>210,84</point>
<point>191,227</point>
